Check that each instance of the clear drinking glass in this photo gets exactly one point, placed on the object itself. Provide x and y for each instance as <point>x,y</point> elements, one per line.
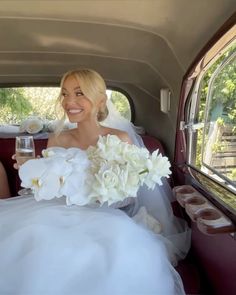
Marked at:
<point>25,149</point>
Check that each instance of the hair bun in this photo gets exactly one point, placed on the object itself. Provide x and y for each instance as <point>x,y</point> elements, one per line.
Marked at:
<point>102,114</point>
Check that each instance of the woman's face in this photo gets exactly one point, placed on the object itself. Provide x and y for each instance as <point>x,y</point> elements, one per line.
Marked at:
<point>77,106</point>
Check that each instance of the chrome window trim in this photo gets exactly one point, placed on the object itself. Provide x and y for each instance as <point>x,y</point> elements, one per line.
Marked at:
<point>191,124</point>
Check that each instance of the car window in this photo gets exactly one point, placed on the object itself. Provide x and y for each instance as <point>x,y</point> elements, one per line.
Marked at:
<point>212,122</point>
<point>18,103</point>
<point>121,102</point>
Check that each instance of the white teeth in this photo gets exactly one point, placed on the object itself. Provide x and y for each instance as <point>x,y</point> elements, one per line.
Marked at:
<point>75,111</point>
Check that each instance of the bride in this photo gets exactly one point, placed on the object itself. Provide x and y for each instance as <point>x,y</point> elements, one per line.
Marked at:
<point>48,248</point>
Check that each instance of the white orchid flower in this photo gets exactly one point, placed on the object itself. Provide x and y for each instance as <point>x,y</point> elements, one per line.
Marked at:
<point>31,172</point>
<point>45,176</point>
<point>75,189</point>
<point>54,151</point>
<point>48,188</point>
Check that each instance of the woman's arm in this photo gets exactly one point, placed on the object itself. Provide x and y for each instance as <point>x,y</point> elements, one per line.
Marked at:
<point>4,187</point>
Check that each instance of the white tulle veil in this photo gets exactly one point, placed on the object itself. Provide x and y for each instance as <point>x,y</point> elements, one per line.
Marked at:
<point>175,231</point>
<point>115,120</point>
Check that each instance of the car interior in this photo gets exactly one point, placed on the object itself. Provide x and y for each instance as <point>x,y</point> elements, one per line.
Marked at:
<point>158,54</point>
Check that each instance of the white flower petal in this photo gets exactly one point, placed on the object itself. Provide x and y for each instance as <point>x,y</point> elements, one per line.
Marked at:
<point>32,169</point>
<point>50,187</point>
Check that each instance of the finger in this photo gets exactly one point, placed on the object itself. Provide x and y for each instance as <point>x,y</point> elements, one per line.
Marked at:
<point>16,166</point>
<point>13,157</point>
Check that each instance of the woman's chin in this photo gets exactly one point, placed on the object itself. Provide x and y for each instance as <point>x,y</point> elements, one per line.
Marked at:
<point>74,119</point>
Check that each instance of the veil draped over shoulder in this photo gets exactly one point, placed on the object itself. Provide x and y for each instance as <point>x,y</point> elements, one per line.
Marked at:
<point>174,231</point>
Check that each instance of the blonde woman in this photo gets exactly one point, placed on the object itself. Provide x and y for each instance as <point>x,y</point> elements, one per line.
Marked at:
<point>83,98</point>
<point>4,187</point>
<point>51,248</point>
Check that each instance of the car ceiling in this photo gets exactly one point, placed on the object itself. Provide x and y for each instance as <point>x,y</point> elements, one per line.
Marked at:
<point>160,34</point>
<point>140,45</point>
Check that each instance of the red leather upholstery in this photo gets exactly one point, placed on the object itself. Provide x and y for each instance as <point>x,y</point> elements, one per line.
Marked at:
<point>152,143</point>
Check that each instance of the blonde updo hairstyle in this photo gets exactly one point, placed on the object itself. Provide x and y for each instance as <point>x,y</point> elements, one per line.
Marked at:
<point>93,87</point>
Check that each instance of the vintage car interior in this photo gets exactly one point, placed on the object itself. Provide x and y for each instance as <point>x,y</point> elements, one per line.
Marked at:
<point>175,62</point>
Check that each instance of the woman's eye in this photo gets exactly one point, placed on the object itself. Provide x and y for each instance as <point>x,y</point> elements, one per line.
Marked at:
<point>64,94</point>
<point>79,93</point>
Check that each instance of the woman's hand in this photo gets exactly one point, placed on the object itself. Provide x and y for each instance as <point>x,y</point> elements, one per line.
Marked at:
<point>15,165</point>
<point>19,162</point>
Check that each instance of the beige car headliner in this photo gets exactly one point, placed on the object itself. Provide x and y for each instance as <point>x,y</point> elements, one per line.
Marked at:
<point>151,32</point>
<point>140,45</point>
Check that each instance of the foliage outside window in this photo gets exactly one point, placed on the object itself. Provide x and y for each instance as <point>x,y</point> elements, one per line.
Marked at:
<point>215,143</point>
<point>121,103</point>
<point>18,103</point>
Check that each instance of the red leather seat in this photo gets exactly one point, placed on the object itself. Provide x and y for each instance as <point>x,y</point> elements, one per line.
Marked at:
<point>152,143</point>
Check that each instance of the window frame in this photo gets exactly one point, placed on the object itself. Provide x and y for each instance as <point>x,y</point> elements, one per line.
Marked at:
<point>192,123</point>
<point>183,171</point>
<point>191,114</point>
<point>209,94</point>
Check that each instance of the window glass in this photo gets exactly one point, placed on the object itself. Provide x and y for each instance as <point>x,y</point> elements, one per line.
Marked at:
<point>212,136</point>
<point>121,103</point>
<point>219,134</point>
<point>18,103</point>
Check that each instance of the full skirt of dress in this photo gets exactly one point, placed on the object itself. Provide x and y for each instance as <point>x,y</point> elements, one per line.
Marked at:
<point>49,248</point>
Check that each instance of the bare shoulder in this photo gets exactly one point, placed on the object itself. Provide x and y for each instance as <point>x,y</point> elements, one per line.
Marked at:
<point>119,133</point>
<point>60,139</point>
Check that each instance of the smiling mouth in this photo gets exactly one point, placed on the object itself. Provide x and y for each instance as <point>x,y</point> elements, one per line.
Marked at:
<point>74,111</point>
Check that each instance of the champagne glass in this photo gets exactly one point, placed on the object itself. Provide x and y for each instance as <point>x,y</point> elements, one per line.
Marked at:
<point>25,149</point>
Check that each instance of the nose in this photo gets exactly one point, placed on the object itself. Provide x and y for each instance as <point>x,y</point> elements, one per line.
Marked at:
<point>71,98</point>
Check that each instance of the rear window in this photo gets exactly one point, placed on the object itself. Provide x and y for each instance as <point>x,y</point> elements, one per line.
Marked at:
<point>18,103</point>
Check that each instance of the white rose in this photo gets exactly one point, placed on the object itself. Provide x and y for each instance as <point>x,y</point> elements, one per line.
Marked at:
<point>33,125</point>
<point>135,157</point>
<point>106,184</point>
<point>132,185</point>
<point>110,147</point>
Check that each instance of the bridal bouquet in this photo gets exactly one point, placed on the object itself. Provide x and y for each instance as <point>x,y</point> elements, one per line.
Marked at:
<point>109,172</point>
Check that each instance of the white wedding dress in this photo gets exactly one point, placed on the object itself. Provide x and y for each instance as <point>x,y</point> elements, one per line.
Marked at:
<point>48,248</point>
